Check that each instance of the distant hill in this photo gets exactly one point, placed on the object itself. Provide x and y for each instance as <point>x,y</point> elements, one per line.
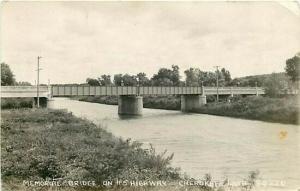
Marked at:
<point>261,80</point>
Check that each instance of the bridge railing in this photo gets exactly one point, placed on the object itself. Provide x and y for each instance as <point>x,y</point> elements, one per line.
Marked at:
<point>24,88</point>
<point>25,91</point>
<point>79,90</point>
<point>234,90</point>
<point>122,90</point>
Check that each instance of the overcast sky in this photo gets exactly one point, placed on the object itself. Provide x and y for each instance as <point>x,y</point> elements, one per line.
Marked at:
<point>79,40</point>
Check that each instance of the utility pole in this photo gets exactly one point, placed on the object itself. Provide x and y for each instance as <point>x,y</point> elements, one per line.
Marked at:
<point>217,67</point>
<point>38,81</point>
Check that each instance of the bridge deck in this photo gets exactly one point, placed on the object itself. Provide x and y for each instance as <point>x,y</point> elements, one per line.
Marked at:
<point>24,91</point>
<point>64,90</point>
<point>149,90</point>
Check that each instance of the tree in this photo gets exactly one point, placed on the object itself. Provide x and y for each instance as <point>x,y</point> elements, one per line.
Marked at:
<point>143,80</point>
<point>293,68</point>
<point>105,80</point>
<point>126,80</point>
<point>175,77</point>
<point>92,82</point>
<point>7,76</point>
<point>274,86</point>
<point>166,77</point>
<point>194,77</point>
<point>226,75</point>
<point>118,79</point>
<point>129,80</point>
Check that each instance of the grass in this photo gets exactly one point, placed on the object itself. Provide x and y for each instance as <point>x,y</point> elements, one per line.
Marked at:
<point>281,110</point>
<point>45,144</point>
<point>9,103</point>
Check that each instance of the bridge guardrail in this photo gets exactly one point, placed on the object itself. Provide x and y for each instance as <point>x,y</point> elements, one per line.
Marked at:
<point>70,90</point>
<point>24,91</point>
<point>79,90</point>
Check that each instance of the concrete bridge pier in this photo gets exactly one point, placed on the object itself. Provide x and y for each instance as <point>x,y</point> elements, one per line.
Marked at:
<point>130,105</point>
<point>191,102</point>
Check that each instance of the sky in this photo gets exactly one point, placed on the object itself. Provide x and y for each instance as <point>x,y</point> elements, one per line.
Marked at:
<point>77,40</point>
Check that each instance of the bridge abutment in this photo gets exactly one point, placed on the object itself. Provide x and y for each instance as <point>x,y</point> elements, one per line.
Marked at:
<point>191,102</point>
<point>130,105</point>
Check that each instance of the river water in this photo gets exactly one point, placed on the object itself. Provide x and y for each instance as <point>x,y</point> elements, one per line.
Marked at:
<point>224,147</point>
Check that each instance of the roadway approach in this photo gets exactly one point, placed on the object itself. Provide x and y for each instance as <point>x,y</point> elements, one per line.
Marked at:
<point>130,98</point>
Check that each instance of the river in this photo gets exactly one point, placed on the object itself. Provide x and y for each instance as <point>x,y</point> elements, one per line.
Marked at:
<point>224,147</point>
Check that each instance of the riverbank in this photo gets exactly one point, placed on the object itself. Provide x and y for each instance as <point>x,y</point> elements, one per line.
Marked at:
<point>46,144</point>
<point>279,110</point>
<point>154,102</point>
<point>10,103</point>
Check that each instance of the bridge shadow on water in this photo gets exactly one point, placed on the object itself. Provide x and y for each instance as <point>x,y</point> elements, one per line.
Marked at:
<point>152,115</point>
<point>127,117</point>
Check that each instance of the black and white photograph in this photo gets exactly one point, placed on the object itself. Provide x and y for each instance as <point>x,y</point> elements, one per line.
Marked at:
<point>150,95</point>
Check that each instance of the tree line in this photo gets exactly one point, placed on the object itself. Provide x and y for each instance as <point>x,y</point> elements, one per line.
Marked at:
<point>165,77</point>
<point>193,77</point>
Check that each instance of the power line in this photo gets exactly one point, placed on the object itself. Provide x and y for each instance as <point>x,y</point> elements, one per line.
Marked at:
<point>217,67</point>
<point>38,81</point>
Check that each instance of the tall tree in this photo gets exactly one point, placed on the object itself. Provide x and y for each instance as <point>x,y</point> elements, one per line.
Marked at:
<point>194,77</point>
<point>126,80</point>
<point>92,82</point>
<point>166,77</point>
<point>274,86</point>
<point>7,76</point>
<point>175,77</point>
<point>293,68</point>
<point>105,80</point>
<point>129,80</point>
<point>142,78</point>
<point>118,78</point>
<point>226,75</point>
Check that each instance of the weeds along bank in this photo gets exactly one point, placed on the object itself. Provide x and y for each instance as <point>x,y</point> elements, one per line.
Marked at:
<point>41,144</point>
<point>281,110</point>
<point>155,102</point>
<point>9,103</point>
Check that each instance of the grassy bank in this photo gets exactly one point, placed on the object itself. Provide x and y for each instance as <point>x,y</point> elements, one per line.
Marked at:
<point>9,103</point>
<point>41,144</point>
<point>155,102</point>
<point>281,110</point>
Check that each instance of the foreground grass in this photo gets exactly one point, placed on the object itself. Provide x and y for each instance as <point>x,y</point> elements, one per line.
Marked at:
<point>44,144</point>
<point>281,110</point>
